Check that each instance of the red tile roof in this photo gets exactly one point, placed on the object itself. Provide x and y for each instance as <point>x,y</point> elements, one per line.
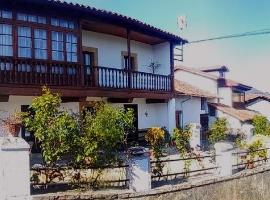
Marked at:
<point>182,88</point>
<point>240,114</point>
<point>195,71</point>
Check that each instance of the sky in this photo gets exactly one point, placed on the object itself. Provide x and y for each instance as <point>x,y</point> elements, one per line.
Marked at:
<point>247,57</point>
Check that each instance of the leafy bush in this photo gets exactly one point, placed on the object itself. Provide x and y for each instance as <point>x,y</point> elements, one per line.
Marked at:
<point>104,132</point>
<point>56,130</point>
<point>156,137</point>
<point>218,130</point>
<point>261,125</point>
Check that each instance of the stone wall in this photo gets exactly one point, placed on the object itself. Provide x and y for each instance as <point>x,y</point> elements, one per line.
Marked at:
<point>247,185</point>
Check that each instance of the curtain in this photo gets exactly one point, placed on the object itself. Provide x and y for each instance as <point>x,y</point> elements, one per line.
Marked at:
<point>71,48</point>
<point>6,48</point>
<point>57,46</point>
<point>40,44</point>
<point>24,42</point>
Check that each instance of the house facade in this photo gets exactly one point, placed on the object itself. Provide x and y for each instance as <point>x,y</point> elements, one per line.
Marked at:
<point>259,103</point>
<point>230,101</point>
<point>86,55</point>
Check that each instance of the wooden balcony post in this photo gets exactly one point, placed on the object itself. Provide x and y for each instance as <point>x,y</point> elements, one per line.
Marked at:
<point>129,59</point>
<point>172,65</point>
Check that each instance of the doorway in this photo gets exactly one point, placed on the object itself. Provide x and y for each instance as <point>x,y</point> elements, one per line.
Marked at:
<point>133,135</point>
<point>204,121</point>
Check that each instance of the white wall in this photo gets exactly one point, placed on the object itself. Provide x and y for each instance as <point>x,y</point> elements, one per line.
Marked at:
<point>110,48</point>
<point>226,95</point>
<point>198,81</point>
<point>15,102</point>
<point>191,109</point>
<point>156,117</point>
<point>234,123</point>
<point>261,106</point>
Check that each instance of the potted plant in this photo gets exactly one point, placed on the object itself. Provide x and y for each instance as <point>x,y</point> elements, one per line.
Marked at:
<point>12,124</point>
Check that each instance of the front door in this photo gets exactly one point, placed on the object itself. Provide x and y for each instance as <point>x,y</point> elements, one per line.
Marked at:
<point>134,135</point>
<point>204,120</point>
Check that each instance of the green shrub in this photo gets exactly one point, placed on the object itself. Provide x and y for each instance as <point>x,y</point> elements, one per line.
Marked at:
<point>104,133</point>
<point>56,130</point>
<point>261,125</point>
<point>218,130</point>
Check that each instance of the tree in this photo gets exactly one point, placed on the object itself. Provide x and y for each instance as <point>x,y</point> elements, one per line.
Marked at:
<point>104,133</point>
<point>56,130</point>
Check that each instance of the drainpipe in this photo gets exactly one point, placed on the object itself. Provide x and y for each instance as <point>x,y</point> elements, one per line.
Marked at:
<point>182,102</point>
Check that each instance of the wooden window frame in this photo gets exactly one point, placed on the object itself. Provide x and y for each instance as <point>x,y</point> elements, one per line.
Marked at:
<point>92,50</point>
<point>48,28</point>
<point>132,55</point>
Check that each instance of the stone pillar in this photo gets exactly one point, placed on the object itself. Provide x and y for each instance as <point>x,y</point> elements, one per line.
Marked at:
<point>14,169</point>
<point>195,139</point>
<point>139,172</point>
<point>171,115</point>
<point>224,158</point>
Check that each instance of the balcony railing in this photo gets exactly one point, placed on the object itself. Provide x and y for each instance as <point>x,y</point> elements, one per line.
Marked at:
<point>28,72</point>
<point>123,79</point>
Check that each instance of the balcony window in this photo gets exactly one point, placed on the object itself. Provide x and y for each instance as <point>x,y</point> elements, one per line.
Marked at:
<point>71,48</point>
<point>40,44</point>
<point>57,46</point>
<point>24,42</point>
<point>5,14</point>
<point>63,23</point>
<point>31,18</point>
<point>6,43</point>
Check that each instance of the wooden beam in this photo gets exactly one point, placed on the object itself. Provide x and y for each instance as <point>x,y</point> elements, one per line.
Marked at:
<point>172,65</point>
<point>150,101</point>
<point>120,100</point>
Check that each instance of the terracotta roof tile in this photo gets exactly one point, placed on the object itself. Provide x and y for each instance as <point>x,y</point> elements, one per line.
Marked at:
<point>183,88</point>
<point>240,114</point>
<point>195,71</point>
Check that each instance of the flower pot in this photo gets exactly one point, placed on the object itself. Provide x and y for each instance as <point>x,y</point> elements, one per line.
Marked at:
<point>14,129</point>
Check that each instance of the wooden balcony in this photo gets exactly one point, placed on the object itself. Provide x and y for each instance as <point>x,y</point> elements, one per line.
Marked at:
<point>38,73</point>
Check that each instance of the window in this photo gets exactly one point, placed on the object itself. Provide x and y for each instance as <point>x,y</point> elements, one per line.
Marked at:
<point>203,103</point>
<point>62,23</point>
<point>133,61</point>
<point>24,42</point>
<point>40,39</point>
<point>5,14</point>
<point>212,111</point>
<point>179,119</point>
<point>6,48</point>
<point>57,46</point>
<point>31,18</point>
<point>71,48</point>
<point>238,97</point>
<point>88,59</point>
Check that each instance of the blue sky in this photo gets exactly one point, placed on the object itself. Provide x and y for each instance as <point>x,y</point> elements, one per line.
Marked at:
<point>247,57</point>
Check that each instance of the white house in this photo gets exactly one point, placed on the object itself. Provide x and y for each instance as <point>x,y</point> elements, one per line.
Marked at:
<point>259,103</point>
<point>86,55</point>
<point>230,102</point>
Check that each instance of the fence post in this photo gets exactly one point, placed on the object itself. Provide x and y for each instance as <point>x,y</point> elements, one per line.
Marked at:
<point>139,172</point>
<point>14,169</point>
<point>224,158</point>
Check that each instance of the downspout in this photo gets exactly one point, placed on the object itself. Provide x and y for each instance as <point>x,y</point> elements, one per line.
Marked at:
<point>182,102</point>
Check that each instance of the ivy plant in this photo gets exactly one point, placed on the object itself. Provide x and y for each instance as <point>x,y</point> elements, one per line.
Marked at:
<point>181,138</point>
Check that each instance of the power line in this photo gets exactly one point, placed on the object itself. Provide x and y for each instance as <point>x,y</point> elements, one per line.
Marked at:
<point>250,33</point>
